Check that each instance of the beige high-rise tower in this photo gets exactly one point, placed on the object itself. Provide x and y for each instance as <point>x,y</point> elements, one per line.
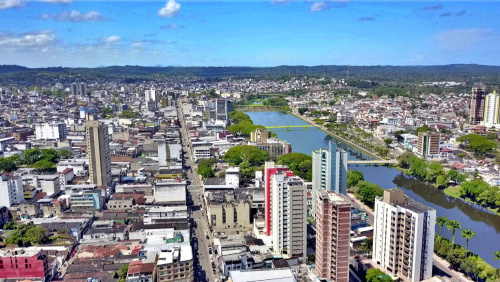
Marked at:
<point>98,152</point>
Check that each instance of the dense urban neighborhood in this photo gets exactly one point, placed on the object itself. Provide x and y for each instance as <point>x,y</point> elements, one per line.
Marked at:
<point>170,178</point>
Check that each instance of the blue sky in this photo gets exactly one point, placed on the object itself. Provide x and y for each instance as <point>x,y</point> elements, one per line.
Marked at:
<point>242,33</point>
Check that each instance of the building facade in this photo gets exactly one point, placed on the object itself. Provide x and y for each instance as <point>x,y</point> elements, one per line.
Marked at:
<point>98,153</point>
<point>260,136</point>
<point>175,264</point>
<point>403,240</point>
<point>270,169</point>
<point>329,171</point>
<point>491,110</point>
<point>477,105</point>
<point>51,131</point>
<point>289,215</point>
<point>12,191</point>
<point>333,226</point>
<point>79,89</point>
<point>428,144</point>
<point>29,265</point>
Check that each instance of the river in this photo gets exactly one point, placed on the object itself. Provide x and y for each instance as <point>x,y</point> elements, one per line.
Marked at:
<point>485,224</point>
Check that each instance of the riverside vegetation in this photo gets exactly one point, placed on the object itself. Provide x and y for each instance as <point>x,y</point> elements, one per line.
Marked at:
<point>454,183</point>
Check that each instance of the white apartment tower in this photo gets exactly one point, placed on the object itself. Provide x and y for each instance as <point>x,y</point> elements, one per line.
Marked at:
<point>11,189</point>
<point>150,95</point>
<point>289,215</point>
<point>403,236</point>
<point>98,152</point>
<point>491,110</point>
<point>329,171</point>
<point>54,130</point>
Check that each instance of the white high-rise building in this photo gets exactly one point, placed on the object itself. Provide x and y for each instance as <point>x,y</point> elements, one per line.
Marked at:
<point>329,171</point>
<point>150,95</point>
<point>491,110</point>
<point>51,131</point>
<point>289,215</point>
<point>403,236</point>
<point>11,189</point>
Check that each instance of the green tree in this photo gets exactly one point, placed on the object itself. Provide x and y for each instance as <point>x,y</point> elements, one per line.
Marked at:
<point>123,273</point>
<point>468,234</point>
<point>65,154</point>
<point>206,171</point>
<point>43,165</point>
<point>441,221</point>
<point>367,245</point>
<point>368,192</point>
<point>300,164</point>
<point>418,168</point>
<point>434,169</point>
<point>302,110</point>
<point>496,255</point>
<point>31,156</point>
<point>7,164</point>
<point>247,171</point>
<point>479,144</point>
<point>405,159</point>
<point>442,180</point>
<point>353,177</point>
<point>377,275</point>
<point>50,155</point>
<point>453,225</point>
<point>246,153</point>
<point>388,141</point>
<point>106,112</point>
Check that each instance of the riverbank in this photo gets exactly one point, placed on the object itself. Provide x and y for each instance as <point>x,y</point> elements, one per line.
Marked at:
<point>482,221</point>
<point>476,192</point>
<point>338,137</point>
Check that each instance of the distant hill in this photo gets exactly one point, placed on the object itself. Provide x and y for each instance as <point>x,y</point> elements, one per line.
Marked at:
<point>456,72</point>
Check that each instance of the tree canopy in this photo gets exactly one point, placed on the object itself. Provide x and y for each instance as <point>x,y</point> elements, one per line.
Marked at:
<point>478,144</point>
<point>300,164</point>
<point>377,275</point>
<point>246,153</point>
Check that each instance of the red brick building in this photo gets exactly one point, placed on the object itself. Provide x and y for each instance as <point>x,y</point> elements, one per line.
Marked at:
<point>333,226</point>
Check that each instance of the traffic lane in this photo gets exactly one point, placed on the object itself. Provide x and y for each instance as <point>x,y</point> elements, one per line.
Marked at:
<point>204,257</point>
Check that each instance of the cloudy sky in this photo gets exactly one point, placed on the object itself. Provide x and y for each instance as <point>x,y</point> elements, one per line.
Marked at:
<point>94,33</point>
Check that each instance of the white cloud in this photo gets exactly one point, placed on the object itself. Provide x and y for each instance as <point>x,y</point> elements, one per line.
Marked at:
<point>110,39</point>
<point>7,4</point>
<point>463,39</point>
<point>137,44</point>
<point>57,1</point>
<point>76,16</point>
<point>170,10</point>
<point>318,6</point>
<point>34,39</point>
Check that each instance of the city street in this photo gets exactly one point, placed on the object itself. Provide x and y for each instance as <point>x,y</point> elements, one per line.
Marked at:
<point>203,267</point>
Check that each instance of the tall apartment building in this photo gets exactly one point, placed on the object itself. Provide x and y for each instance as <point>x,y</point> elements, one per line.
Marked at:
<point>150,95</point>
<point>403,236</point>
<point>428,144</point>
<point>333,226</point>
<point>11,189</point>
<point>289,215</point>
<point>270,168</point>
<point>98,152</point>
<point>222,108</point>
<point>175,264</point>
<point>79,89</point>
<point>491,109</point>
<point>477,105</point>
<point>56,130</point>
<point>329,171</point>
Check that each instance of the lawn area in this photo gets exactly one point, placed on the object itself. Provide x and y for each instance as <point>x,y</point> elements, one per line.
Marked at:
<point>453,191</point>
